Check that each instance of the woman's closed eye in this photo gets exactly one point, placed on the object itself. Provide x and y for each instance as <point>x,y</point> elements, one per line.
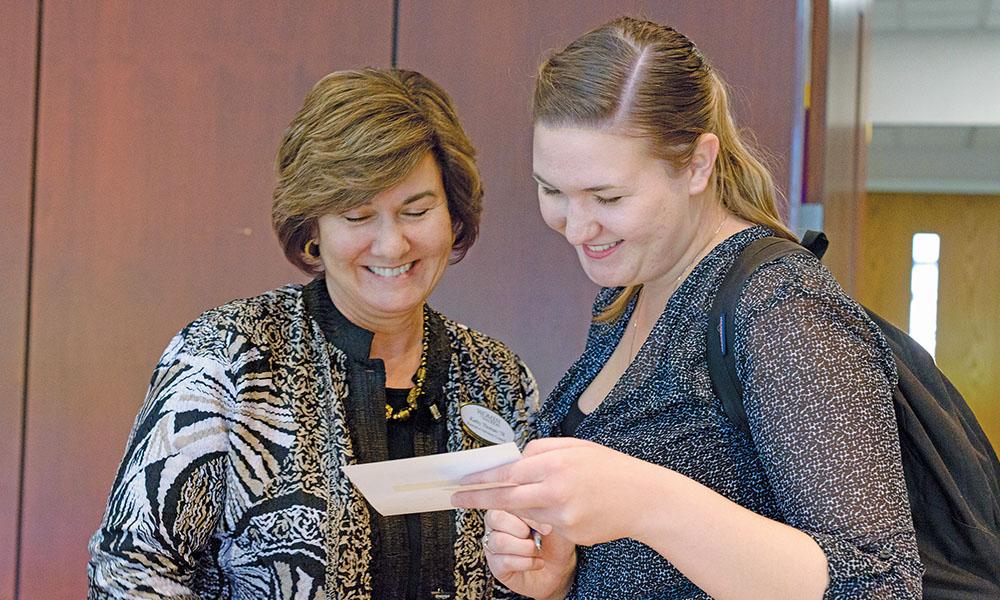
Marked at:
<point>416,212</point>
<point>361,217</point>
<point>548,191</point>
<point>356,217</point>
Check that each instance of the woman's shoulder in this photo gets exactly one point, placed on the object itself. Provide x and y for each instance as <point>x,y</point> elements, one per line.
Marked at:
<point>477,344</point>
<point>490,362</point>
<point>771,281</point>
<point>260,317</point>
<point>792,276</point>
<point>797,291</point>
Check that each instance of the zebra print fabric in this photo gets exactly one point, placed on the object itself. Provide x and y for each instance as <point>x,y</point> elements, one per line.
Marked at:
<point>232,482</point>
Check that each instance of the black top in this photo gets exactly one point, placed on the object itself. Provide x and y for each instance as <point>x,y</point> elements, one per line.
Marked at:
<point>401,446</point>
<point>572,420</point>
<point>402,545</point>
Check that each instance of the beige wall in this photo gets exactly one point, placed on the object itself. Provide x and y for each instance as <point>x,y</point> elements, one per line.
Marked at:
<point>522,282</point>
<point>157,126</point>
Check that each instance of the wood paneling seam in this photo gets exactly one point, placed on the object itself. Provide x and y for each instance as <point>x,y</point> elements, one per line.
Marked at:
<point>27,317</point>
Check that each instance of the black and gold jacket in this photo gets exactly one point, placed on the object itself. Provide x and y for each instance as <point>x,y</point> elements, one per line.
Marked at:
<point>232,484</point>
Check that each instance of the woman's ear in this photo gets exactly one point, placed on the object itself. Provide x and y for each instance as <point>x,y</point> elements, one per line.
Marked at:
<point>311,254</point>
<point>702,163</point>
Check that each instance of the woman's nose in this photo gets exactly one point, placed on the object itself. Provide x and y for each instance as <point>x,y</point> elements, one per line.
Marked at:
<point>580,224</point>
<point>390,240</point>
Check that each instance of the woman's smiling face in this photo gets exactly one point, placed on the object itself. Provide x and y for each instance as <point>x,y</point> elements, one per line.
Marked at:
<point>383,259</point>
<point>630,216</point>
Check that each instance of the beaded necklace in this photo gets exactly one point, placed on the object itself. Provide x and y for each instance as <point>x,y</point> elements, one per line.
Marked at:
<point>413,397</point>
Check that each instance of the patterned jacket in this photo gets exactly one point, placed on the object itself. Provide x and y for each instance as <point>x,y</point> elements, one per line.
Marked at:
<point>232,483</point>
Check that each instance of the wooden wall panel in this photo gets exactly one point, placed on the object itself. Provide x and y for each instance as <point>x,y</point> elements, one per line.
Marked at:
<point>968,325</point>
<point>844,150</point>
<point>522,282</point>
<point>159,123</point>
<point>815,154</point>
<point>18,27</point>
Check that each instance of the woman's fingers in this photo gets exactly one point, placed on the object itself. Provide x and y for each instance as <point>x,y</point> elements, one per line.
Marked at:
<point>502,543</point>
<point>532,503</point>
<point>532,467</point>
<point>521,471</point>
<point>500,520</point>
<point>505,565</point>
<point>518,526</point>
<point>509,553</point>
<point>502,474</point>
<point>543,528</point>
<point>508,534</point>
<point>542,445</point>
<point>511,498</point>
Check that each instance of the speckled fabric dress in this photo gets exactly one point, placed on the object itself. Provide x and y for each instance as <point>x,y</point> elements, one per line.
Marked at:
<point>824,455</point>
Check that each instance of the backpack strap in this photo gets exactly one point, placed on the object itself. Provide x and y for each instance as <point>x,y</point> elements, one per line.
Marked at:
<point>815,242</point>
<point>721,317</point>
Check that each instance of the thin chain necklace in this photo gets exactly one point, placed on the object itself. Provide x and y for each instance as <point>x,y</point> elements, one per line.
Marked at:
<point>674,284</point>
<point>413,397</point>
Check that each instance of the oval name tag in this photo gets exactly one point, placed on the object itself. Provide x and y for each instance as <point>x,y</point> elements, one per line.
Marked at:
<point>485,425</point>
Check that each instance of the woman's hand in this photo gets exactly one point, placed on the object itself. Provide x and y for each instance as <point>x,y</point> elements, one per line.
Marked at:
<point>518,564</point>
<point>585,492</point>
<point>590,494</point>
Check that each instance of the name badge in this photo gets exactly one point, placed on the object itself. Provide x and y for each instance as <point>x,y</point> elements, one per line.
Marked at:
<point>485,425</point>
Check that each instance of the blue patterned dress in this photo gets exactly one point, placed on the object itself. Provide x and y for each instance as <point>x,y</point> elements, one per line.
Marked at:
<point>824,455</point>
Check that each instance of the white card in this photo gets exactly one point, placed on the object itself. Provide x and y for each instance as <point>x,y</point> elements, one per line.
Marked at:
<point>426,483</point>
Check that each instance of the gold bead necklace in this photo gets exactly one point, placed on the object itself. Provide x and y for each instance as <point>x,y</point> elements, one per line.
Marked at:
<point>413,397</point>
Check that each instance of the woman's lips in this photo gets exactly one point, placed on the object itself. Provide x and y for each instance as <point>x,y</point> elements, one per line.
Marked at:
<point>391,272</point>
<point>600,250</point>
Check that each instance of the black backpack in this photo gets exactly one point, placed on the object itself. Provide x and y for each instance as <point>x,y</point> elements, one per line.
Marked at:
<point>951,469</point>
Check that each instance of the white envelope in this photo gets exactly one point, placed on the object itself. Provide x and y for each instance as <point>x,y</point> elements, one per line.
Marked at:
<point>426,483</point>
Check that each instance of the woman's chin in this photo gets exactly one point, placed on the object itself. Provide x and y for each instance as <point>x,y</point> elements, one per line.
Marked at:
<point>394,309</point>
<point>604,278</point>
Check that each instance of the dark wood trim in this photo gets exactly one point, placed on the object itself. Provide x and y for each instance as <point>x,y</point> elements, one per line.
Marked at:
<point>816,133</point>
<point>28,289</point>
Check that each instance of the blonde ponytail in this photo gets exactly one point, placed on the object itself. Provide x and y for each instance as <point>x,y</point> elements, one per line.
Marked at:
<point>742,182</point>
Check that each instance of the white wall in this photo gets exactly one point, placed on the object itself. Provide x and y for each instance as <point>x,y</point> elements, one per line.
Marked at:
<point>935,78</point>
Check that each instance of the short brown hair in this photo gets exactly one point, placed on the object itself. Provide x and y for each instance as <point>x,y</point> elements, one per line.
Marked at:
<point>359,133</point>
<point>640,78</point>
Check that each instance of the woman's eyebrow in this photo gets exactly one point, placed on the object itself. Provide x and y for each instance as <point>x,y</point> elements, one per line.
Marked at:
<point>539,179</point>
<point>595,188</point>
<point>418,196</point>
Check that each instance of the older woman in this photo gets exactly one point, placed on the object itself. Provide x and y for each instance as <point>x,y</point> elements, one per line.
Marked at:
<point>651,492</point>
<point>232,483</point>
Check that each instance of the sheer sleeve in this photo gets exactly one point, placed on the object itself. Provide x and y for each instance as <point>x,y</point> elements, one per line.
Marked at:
<point>818,377</point>
<point>168,495</point>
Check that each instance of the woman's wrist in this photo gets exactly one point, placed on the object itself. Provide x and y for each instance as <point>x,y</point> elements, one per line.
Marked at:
<point>646,518</point>
<point>567,583</point>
